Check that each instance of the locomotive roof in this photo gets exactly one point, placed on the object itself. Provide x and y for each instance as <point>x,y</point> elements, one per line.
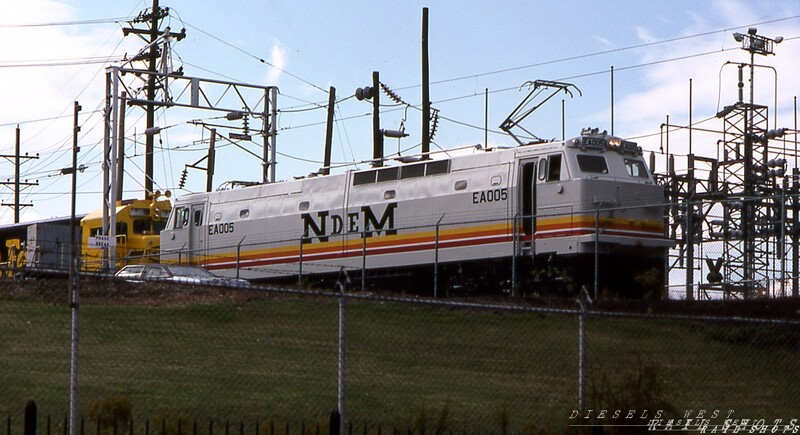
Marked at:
<point>460,158</point>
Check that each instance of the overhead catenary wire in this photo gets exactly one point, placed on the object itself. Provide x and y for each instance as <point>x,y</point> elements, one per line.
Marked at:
<point>501,90</point>
<point>251,55</point>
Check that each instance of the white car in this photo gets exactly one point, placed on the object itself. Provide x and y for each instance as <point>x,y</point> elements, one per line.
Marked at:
<point>181,274</point>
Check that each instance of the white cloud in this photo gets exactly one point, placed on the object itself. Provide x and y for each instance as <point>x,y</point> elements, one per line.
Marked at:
<point>277,57</point>
<point>658,90</point>
<point>48,92</point>
<point>604,41</point>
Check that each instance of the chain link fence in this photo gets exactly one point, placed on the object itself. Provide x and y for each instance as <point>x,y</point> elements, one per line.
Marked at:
<point>155,358</point>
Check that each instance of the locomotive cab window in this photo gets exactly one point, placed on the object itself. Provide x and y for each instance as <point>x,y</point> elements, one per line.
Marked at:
<point>636,168</point>
<point>592,163</point>
<point>181,217</point>
<point>141,226</point>
<point>554,167</point>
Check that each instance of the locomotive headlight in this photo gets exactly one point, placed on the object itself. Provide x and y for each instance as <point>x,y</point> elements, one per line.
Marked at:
<point>614,142</point>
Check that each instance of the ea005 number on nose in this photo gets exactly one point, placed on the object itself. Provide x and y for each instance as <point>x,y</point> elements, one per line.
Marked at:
<point>226,228</point>
<point>493,195</point>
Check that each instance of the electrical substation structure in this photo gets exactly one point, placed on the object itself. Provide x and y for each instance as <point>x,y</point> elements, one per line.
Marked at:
<point>734,217</point>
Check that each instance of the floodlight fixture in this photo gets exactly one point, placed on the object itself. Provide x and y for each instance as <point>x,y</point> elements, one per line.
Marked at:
<point>756,44</point>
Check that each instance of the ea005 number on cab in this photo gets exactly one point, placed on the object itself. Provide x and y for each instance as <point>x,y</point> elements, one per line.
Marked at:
<point>493,195</point>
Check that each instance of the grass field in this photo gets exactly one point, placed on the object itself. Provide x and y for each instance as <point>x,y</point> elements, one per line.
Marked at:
<point>257,357</point>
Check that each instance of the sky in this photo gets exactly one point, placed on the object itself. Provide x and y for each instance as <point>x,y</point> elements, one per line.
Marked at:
<point>664,54</point>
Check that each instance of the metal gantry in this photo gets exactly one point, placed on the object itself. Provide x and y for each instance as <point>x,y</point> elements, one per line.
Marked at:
<point>735,216</point>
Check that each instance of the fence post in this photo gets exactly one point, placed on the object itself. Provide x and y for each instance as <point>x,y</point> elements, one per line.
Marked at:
<point>339,412</point>
<point>239,255</point>
<point>30,418</point>
<point>596,250</point>
<point>363,261</point>
<point>300,266</point>
<point>335,423</point>
<point>581,356</point>
<point>514,244</point>
<point>436,260</point>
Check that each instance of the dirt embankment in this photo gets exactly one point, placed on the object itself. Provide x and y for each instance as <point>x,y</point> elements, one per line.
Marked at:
<point>110,291</point>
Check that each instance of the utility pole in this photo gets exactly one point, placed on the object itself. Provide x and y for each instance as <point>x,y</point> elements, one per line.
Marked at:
<point>326,162</point>
<point>74,299</point>
<point>154,18</point>
<point>212,153</point>
<point>17,184</point>
<point>151,96</point>
<point>121,146</point>
<point>426,94</point>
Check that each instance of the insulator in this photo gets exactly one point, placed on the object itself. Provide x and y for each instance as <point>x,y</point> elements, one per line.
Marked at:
<point>365,93</point>
<point>182,181</point>
<point>434,122</point>
<point>392,95</point>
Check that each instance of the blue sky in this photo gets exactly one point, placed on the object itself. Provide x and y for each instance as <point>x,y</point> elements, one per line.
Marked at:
<point>656,48</point>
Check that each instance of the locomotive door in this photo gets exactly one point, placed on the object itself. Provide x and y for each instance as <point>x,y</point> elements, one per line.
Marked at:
<point>197,235</point>
<point>527,211</point>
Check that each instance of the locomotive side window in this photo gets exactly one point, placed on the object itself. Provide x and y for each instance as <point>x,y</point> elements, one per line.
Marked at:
<point>543,170</point>
<point>554,167</point>
<point>388,174</point>
<point>635,168</point>
<point>437,167</point>
<point>590,163</point>
<point>365,177</point>
<point>412,171</point>
<point>198,217</point>
<point>181,217</point>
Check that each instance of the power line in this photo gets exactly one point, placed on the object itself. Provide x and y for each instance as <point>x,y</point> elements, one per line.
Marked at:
<point>59,62</point>
<point>67,23</point>
<point>251,55</point>
<point>604,52</point>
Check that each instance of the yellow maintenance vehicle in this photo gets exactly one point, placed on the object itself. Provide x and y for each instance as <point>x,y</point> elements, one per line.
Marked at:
<point>139,224</point>
<point>14,258</point>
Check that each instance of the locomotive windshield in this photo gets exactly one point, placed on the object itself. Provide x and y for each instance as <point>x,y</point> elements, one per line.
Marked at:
<point>592,163</point>
<point>636,168</point>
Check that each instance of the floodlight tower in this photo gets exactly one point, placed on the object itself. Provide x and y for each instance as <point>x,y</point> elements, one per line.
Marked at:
<point>748,182</point>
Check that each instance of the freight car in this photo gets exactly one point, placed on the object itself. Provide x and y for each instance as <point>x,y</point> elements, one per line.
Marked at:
<point>556,215</point>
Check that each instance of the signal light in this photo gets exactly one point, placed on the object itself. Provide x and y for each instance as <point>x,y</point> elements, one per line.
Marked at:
<point>365,93</point>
